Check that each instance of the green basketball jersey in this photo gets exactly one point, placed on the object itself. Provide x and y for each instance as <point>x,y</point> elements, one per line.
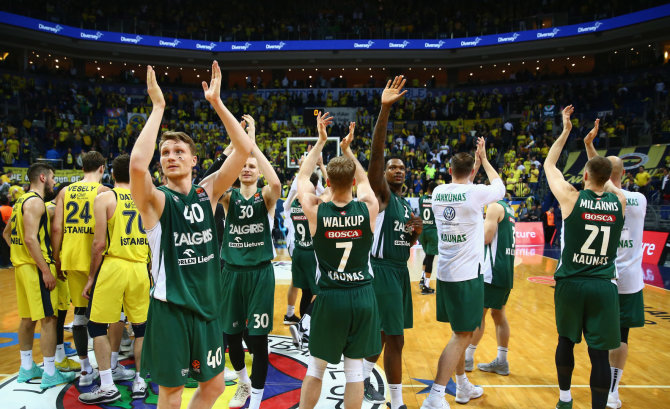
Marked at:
<point>500,252</point>
<point>184,265</point>
<point>302,237</point>
<point>426,209</point>
<point>392,238</point>
<point>342,243</point>
<point>592,230</point>
<point>247,238</point>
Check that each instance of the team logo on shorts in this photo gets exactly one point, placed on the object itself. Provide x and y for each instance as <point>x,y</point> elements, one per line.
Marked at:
<point>449,213</point>
<point>195,366</point>
<point>286,371</point>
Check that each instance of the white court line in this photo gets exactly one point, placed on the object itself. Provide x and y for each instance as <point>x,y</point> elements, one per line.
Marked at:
<point>553,386</point>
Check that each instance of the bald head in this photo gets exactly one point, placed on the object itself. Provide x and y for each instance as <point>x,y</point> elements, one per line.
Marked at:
<point>617,170</point>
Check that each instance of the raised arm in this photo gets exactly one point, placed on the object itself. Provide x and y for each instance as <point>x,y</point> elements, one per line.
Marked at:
<point>364,191</point>
<point>32,214</point>
<point>565,193</point>
<point>149,200</point>
<point>478,162</point>
<point>494,213</point>
<point>272,190</point>
<point>491,173</point>
<point>392,93</point>
<point>588,140</point>
<point>218,182</point>
<point>102,205</point>
<point>308,200</point>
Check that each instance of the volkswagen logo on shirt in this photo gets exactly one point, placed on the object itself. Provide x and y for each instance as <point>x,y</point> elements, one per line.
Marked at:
<point>449,213</point>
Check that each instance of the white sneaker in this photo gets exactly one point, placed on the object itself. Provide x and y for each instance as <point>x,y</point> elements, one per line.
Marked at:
<point>442,404</point>
<point>107,394</point>
<point>467,392</point>
<point>86,378</point>
<point>120,373</point>
<point>139,389</point>
<point>229,375</point>
<point>241,396</point>
<point>613,401</point>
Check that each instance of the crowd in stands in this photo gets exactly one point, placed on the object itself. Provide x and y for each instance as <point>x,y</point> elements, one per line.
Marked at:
<point>279,20</point>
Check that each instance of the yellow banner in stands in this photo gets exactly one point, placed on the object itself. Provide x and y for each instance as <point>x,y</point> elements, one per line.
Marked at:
<point>61,175</point>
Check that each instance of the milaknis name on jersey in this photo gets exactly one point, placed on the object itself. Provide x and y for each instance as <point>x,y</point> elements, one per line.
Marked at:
<point>247,228</point>
<point>194,238</point>
<point>599,205</point>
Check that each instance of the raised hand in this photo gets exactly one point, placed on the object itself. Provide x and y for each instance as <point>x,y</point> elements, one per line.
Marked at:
<point>322,121</point>
<point>481,148</point>
<point>594,132</point>
<point>392,92</point>
<point>415,224</point>
<point>567,124</point>
<point>213,91</point>
<point>346,142</point>
<point>153,89</point>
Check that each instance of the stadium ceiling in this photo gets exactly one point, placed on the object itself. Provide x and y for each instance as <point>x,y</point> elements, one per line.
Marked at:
<point>30,40</point>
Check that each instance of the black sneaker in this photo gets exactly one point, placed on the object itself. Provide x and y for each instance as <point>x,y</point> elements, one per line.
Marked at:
<point>292,320</point>
<point>371,394</point>
<point>388,404</point>
<point>421,285</point>
<point>427,290</point>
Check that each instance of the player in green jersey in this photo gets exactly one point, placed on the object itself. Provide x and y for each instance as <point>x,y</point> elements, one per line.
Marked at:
<point>248,276</point>
<point>346,320</point>
<point>428,238</point>
<point>586,296</point>
<point>183,334</point>
<point>498,278</point>
<point>397,229</point>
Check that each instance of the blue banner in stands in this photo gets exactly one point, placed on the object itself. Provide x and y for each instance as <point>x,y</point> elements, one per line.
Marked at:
<point>312,45</point>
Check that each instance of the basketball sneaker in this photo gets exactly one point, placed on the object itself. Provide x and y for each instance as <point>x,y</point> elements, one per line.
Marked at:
<point>613,401</point>
<point>86,378</point>
<point>100,394</point>
<point>292,320</point>
<point>388,405</point>
<point>120,373</point>
<point>139,389</point>
<point>564,405</point>
<point>371,394</point>
<point>27,374</point>
<point>69,351</point>
<point>56,379</point>
<point>68,365</point>
<point>501,368</point>
<point>467,392</point>
<point>442,404</point>
<point>241,396</point>
<point>229,375</point>
<point>297,333</point>
<point>469,365</point>
<point>427,290</point>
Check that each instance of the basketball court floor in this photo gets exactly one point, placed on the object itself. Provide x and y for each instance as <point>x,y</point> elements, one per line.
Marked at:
<point>531,383</point>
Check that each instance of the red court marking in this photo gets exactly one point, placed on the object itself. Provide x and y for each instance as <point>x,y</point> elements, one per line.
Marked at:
<point>548,280</point>
<point>288,366</point>
<point>286,398</point>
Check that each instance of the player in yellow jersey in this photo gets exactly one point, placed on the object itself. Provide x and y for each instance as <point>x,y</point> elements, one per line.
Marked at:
<point>72,232</point>
<point>27,234</point>
<point>119,279</point>
<point>63,363</point>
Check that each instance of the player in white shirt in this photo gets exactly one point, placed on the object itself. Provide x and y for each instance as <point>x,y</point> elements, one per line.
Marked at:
<point>629,269</point>
<point>458,208</point>
<point>292,294</point>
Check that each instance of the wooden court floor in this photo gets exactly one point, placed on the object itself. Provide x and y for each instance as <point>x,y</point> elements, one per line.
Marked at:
<point>532,382</point>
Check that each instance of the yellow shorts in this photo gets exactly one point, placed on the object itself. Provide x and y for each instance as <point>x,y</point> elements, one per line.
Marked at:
<point>33,298</point>
<point>120,283</point>
<point>76,281</point>
<point>63,294</point>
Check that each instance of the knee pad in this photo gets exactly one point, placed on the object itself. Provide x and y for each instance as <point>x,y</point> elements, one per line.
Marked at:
<point>316,367</point>
<point>79,319</point>
<point>624,335</point>
<point>96,329</point>
<point>122,318</point>
<point>353,370</point>
<point>139,329</point>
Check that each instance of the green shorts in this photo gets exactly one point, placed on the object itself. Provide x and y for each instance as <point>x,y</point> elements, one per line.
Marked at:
<point>345,322</point>
<point>394,296</point>
<point>591,306</point>
<point>495,297</point>
<point>428,240</point>
<point>179,344</point>
<point>631,310</point>
<point>303,270</point>
<point>247,300</point>
<point>460,303</point>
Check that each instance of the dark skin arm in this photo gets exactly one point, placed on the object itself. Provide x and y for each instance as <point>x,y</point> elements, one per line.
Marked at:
<point>376,169</point>
<point>416,224</point>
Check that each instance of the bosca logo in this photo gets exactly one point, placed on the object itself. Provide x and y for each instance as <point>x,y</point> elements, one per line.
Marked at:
<point>287,369</point>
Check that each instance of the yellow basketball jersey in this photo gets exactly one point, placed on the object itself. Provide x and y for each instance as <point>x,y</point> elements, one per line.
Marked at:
<point>78,226</point>
<point>19,253</point>
<point>126,238</point>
